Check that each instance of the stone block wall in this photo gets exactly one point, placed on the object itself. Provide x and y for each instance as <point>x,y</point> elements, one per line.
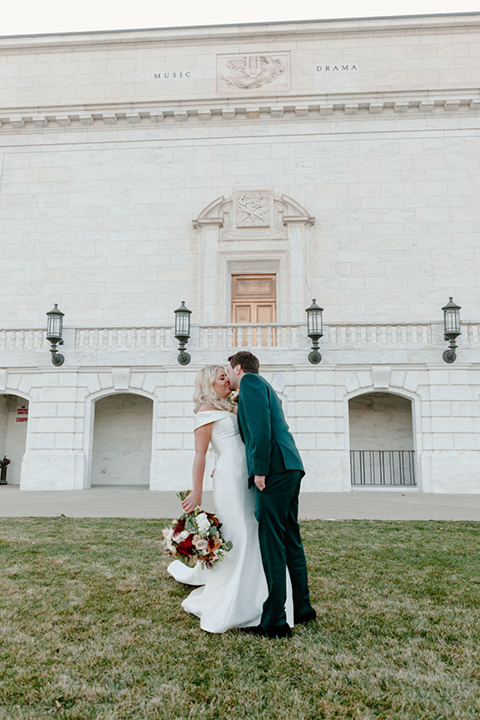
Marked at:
<point>122,158</point>
<point>60,450</point>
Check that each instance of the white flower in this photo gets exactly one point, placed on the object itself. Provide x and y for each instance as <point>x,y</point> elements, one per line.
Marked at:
<point>181,536</point>
<point>167,535</point>
<point>203,523</point>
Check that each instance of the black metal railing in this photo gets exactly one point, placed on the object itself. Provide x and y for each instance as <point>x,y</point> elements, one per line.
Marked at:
<point>382,467</point>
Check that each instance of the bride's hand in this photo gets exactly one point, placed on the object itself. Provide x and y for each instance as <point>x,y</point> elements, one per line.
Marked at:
<point>191,502</point>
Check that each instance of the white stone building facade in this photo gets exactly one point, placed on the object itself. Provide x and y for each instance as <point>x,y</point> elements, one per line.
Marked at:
<point>143,168</point>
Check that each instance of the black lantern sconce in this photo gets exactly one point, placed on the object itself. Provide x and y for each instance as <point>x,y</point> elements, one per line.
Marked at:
<point>451,322</point>
<point>182,332</point>
<point>314,330</point>
<point>54,334</point>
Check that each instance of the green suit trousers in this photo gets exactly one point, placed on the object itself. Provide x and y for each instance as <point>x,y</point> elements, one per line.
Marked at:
<point>276,509</point>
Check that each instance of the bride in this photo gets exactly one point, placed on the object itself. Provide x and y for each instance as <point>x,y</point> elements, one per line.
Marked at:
<point>234,590</point>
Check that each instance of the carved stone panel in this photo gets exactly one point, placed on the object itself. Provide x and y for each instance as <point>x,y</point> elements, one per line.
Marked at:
<point>252,209</point>
<point>251,71</point>
<point>259,214</point>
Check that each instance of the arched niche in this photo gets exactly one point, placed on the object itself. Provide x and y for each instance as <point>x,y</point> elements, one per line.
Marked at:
<point>122,440</point>
<point>254,231</point>
<point>13,433</point>
<point>382,446</point>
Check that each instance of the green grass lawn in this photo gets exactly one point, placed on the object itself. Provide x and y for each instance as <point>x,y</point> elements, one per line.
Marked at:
<point>91,627</point>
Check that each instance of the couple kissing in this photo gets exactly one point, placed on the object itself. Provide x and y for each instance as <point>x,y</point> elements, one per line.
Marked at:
<point>262,585</point>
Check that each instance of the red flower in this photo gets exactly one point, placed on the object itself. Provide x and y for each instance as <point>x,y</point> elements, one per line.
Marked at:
<point>179,527</point>
<point>186,546</point>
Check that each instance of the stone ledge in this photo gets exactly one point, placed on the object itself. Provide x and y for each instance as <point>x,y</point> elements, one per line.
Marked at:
<point>418,102</point>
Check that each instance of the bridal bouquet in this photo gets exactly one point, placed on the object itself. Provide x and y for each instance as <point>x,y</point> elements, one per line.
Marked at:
<point>233,397</point>
<point>196,537</point>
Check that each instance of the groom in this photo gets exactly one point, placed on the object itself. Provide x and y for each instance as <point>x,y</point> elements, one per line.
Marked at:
<point>275,468</point>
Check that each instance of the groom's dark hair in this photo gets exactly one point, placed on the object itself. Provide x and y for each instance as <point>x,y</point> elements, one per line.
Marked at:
<point>247,361</point>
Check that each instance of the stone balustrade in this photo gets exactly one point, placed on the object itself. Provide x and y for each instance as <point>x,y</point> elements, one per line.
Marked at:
<point>253,335</point>
<point>280,335</point>
<point>153,338</point>
<point>23,339</point>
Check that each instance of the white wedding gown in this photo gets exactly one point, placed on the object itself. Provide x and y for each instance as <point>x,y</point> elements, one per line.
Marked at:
<point>234,590</point>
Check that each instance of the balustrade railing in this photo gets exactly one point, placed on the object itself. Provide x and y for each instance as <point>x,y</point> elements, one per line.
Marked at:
<point>253,335</point>
<point>22,339</point>
<point>379,335</point>
<point>338,336</point>
<point>382,467</point>
<point>153,338</point>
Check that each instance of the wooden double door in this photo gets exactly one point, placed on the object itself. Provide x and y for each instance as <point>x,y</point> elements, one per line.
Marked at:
<point>254,300</point>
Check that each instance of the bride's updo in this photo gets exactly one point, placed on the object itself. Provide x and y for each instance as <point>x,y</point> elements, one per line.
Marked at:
<point>205,394</point>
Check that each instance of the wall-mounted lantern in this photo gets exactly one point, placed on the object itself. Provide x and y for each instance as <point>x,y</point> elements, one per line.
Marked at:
<point>182,332</point>
<point>54,334</point>
<point>451,322</point>
<point>314,330</point>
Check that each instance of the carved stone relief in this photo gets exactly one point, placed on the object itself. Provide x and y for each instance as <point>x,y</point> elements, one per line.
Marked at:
<point>252,209</point>
<point>250,71</point>
<point>253,215</point>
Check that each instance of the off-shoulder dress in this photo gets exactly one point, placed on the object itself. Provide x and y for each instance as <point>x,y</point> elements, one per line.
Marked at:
<point>233,591</point>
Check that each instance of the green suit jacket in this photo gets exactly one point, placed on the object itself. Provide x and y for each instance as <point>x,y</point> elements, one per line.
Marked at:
<point>269,444</point>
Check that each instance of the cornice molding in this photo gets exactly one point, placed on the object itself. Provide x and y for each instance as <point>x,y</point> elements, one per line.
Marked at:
<point>417,101</point>
<point>242,32</point>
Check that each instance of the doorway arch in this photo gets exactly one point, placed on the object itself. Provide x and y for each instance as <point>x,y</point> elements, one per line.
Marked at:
<point>13,433</point>
<point>122,440</point>
<point>382,450</point>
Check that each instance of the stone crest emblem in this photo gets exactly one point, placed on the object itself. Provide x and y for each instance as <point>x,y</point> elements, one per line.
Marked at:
<point>252,209</point>
<point>252,71</point>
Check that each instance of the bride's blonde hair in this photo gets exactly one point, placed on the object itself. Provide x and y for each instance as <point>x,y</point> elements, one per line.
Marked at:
<point>205,394</point>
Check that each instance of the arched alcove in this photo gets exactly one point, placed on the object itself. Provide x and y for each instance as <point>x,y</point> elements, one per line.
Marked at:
<point>122,440</point>
<point>381,440</point>
<point>13,433</point>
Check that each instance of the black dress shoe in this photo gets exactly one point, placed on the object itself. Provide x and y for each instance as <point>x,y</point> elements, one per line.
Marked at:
<point>302,619</point>
<point>253,630</point>
<point>281,632</point>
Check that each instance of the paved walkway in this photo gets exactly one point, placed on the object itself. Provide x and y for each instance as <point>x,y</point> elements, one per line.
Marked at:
<point>139,502</point>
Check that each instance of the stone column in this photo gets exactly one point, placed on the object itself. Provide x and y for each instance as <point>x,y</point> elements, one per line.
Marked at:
<point>208,267</point>
<point>298,223</point>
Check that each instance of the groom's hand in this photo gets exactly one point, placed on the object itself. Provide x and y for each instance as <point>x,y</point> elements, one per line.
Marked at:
<point>259,481</point>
